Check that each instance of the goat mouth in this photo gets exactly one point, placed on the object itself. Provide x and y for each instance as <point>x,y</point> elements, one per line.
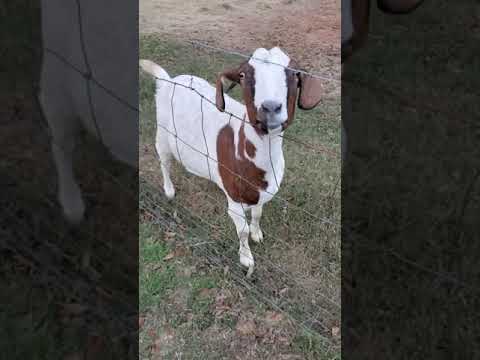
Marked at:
<point>274,127</point>
<point>263,126</point>
<point>268,128</point>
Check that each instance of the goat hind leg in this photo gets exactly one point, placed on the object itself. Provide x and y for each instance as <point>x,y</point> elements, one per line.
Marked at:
<point>165,163</point>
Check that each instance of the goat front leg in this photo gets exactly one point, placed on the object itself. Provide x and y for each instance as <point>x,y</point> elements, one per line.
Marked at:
<point>255,230</point>
<point>69,194</point>
<point>237,214</point>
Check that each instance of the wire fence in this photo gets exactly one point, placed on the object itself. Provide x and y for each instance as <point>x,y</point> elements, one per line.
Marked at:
<point>323,311</point>
<point>312,310</point>
<point>320,315</point>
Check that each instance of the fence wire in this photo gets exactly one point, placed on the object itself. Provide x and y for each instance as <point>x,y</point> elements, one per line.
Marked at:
<point>158,209</point>
<point>309,319</point>
<point>314,318</point>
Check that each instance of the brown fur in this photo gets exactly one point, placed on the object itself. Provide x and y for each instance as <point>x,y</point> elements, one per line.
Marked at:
<point>308,88</point>
<point>250,149</point>
<point>292,84</point>
<point>248,91</point>
<point>241,178</point>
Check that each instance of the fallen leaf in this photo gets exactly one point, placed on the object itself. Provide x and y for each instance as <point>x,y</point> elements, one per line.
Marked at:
<point>180,251</point>
<point>170,234</point>
<point>246,327</point>
<point>335,331</point>
<point>168,334</point>
<point>261,331</point>
<point>169,256</point>
<point>273,318</point>
<point>206,293</point>
<point>156,346</point>
<point>152,333</point>
<point>284,340</point>
<point>220,310</point>
<point>283,291</point>
<point>221,296</point>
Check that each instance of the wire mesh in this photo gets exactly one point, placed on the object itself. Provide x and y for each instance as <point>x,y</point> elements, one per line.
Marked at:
<point>316,318</point>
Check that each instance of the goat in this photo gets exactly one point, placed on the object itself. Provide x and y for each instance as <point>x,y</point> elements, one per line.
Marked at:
<point>354,34</point>
<point>243,158</point>
<point>64,88</point>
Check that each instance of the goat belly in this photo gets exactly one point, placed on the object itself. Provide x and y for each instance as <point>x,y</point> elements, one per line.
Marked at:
<point>194,162</point>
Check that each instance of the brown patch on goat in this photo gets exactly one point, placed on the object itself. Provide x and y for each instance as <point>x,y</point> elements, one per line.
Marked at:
<point>250,149</point>
<point>292,92</point>
<point>248,91</point>
<point>241,178</point>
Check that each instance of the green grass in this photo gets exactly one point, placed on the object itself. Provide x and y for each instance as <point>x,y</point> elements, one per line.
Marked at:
<point>154,281</point>
<point>312,347</point>
<point>299,252</point>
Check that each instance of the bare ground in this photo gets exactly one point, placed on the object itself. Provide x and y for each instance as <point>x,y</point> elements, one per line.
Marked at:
<point>309,30</point>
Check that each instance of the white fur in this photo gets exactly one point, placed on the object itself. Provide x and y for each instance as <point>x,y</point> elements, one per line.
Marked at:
<point>270,79</point>
<point>187,124</point>
<point>63,91</point>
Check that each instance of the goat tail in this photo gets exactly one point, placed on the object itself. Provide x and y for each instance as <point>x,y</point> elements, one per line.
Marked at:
<point>154,69</point>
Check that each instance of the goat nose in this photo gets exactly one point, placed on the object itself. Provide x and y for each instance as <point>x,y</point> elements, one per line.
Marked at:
<point>270,106</point>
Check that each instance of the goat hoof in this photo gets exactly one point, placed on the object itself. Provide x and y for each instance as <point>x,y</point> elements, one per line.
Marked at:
<point>74,210</point>
<point>257,235</point>
<point>169,193</point>
<point>246,259</point>
<point>249,272</point>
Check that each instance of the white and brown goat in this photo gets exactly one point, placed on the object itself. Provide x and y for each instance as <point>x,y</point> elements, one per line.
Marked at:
<point>244,158</point>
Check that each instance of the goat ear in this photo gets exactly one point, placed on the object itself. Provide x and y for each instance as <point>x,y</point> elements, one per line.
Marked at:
<point>219,98</point>
<point>232,75</point>
<point>310,92</point>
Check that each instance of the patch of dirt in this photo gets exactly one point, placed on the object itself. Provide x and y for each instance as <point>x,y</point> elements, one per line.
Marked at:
<point>309,30</point>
